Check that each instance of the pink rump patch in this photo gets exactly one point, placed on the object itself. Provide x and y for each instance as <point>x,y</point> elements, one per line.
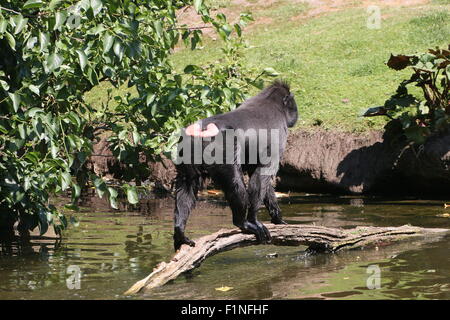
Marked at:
<point>196,131</point>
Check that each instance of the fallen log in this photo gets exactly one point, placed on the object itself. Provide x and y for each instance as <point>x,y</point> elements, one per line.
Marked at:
<point>317,238</point>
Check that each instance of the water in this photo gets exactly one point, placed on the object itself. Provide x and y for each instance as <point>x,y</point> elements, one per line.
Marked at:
<point>114,249</point>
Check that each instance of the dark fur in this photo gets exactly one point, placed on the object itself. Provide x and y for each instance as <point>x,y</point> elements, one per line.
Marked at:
<point>272,108</point>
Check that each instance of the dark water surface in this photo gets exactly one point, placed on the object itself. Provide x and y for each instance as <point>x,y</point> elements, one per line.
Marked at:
<point>115,249</point>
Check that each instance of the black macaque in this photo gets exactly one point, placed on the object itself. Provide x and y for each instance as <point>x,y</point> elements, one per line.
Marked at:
<point>249,139</point>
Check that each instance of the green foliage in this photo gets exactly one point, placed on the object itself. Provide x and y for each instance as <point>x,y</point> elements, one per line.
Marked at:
<point>420,117</point>
<point>53,52</point>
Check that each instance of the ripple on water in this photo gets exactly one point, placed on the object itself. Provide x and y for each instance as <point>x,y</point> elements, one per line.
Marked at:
<point>115,249</point>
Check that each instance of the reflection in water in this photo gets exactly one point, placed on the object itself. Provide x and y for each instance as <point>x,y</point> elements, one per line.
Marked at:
<point>114,249</point>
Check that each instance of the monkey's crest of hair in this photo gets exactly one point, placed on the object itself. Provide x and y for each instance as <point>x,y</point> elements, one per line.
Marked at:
<point>280,83</point>
<point>279,87</point>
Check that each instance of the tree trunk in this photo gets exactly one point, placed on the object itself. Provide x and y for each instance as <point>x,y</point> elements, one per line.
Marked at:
<point>317,238</point>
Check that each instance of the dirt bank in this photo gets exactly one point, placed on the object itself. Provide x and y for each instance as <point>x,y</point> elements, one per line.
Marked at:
<point>371,163</point>
<point>335,162</point>
<point>159,174</point>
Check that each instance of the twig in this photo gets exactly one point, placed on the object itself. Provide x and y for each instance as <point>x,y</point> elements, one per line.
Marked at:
<point>190,28</point>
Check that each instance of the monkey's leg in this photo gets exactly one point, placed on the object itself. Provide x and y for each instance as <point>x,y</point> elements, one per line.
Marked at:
<point>271,203</point>
<point>187,184</point>
<point>257,190</point>
<point>231,180</point>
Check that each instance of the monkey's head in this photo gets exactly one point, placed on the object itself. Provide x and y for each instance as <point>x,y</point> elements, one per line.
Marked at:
<point>290,109</point>
<point>280,93</point>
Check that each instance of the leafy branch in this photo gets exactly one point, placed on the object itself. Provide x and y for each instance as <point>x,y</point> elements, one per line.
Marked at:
<point>420,117</point>
<point>53,52</point>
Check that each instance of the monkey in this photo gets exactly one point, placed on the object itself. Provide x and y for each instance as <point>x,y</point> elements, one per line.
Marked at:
<point>253,137</point>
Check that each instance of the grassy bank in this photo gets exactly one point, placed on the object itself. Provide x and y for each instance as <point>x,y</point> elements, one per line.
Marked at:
<point>335,63</point>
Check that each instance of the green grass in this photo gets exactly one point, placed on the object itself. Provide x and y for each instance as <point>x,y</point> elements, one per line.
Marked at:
<point>433,27</point>
<point>217,4</point>
<point>441,1</point>
<point>335,64</point>
<point>98,96</point>
<point>282,10</point>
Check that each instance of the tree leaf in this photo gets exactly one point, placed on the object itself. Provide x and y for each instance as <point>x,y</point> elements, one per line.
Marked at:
<point>54,150</point>
<point>96,6</point>
<point>21,22</point>
<point>108,41</point>
<point>132,195</point>
<point>375,111</point>
<point>113,197</point>
<point>34,89</point>
<point>54,3</point>
<point>15,98</point>
<point>3,25</point>
<point>198,5</point>
<point>4,85</point>
<point>54,61</point>
<point>136,137</point>
<point>270,72</point>
<point>238,29</point>
<point>113,192</point>
<point>11,40</point>
<point>118,49</point>
<point>92,76</point>
<point>227,29</point>
<point>44,40</point>
<point>399,62</point>
<point>72,206</point>
<point>32,4</point>
<point>96,30</point>
<point>60,18</point>
<point>100,186</point>
<point>158,28</point>
<point>65,180</point>
<point>31,42</point>
<point>83,59</point>
<point>21,130</point>
<point>44,217</point>
<point>76,191</point>
<point>150,98</point>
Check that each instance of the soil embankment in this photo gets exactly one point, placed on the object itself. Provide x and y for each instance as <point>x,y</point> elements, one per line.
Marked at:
<point>370,163</point>
<point>320,161</point>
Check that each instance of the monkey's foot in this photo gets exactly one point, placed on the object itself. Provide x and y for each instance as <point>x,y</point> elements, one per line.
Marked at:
<point>179,241</point>
<point>259,230</point>
<point>277,220</point>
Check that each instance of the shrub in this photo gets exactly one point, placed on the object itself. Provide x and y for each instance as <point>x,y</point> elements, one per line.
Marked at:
<point>420,117</point>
